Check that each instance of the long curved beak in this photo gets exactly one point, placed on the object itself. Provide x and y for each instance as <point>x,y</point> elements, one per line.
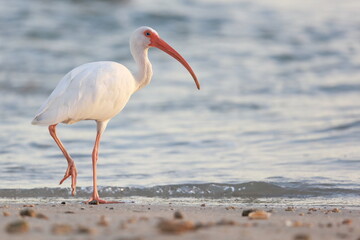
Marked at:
<point>162,45</point>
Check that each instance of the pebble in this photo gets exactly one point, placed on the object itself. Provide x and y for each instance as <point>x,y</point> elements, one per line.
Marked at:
<point>246,212</point>
<point>247,224</point>
<point>62,229</point>
<point>224,222</point>
<point>63,203</point>
<point>347,221</point>
<point>27,212</point>
<point>302,236</point>
<point>41,216</point>
<point>178,215</point>
<point>69,212</point>
<point>104,221</point>
<point>260,214</point>
<point>6,214</point>
<point>85,230</point>
<point>19,226</point>
<point>290,223</point>
<point>175,227</point>
<point>231,207</point>
<point>143,218</point>
<point>290,209</point>
<point>29,205</point>
<point>131,220</point>
<point>204,225</point>
<point>203,205</point>
<point>336,210</point>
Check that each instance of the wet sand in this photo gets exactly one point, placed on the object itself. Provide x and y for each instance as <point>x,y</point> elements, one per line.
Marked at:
<point>135,221</point>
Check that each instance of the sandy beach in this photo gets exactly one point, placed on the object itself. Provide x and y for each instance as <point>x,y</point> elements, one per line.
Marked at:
<point>135,221</point>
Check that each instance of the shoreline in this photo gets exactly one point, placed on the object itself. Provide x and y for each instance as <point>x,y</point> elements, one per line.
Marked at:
<point>146,220</point>
<point>261,202</point>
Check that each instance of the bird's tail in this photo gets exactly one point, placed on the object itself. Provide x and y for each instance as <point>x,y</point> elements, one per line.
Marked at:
<point>38,120</point>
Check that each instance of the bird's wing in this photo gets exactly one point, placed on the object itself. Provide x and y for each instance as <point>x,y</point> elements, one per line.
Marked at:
<point>78,94</point>
<point>47,113</point>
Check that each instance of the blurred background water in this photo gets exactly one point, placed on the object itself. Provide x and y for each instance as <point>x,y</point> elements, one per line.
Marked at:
<point>278,113</point>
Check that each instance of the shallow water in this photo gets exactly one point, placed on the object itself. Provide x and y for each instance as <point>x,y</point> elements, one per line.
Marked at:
<point>279,103</point>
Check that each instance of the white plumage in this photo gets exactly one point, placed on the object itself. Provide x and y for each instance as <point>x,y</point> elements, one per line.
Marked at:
<point>98,91</point>
<point>93,91</point>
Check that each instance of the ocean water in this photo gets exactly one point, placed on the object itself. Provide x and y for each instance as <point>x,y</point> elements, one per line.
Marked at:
<point>278,115</point>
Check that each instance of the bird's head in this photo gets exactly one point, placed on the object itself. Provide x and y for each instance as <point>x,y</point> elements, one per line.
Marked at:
<point>146,37</point>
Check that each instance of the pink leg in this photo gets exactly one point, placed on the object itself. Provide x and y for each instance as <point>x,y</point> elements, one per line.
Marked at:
<point>71,170</point>
<point>95,198</point>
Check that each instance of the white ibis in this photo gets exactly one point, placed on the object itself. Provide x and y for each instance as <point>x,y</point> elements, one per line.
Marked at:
<point>98,91</point>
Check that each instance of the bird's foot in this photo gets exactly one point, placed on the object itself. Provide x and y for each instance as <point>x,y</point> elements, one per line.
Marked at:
<point>71,171</point>
<point>97,201</point>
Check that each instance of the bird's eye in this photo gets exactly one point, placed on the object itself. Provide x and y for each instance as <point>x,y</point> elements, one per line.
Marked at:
<point>147,34</point>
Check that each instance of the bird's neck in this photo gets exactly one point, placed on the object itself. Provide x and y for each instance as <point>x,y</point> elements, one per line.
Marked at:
<point>144,71</point>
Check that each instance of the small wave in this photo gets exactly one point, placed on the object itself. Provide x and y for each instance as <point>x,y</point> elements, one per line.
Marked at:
<point>340,88</point>
<point>227,106</point>
<point>342,127</point>
<point>206,190</point>
<point>291,57</point>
